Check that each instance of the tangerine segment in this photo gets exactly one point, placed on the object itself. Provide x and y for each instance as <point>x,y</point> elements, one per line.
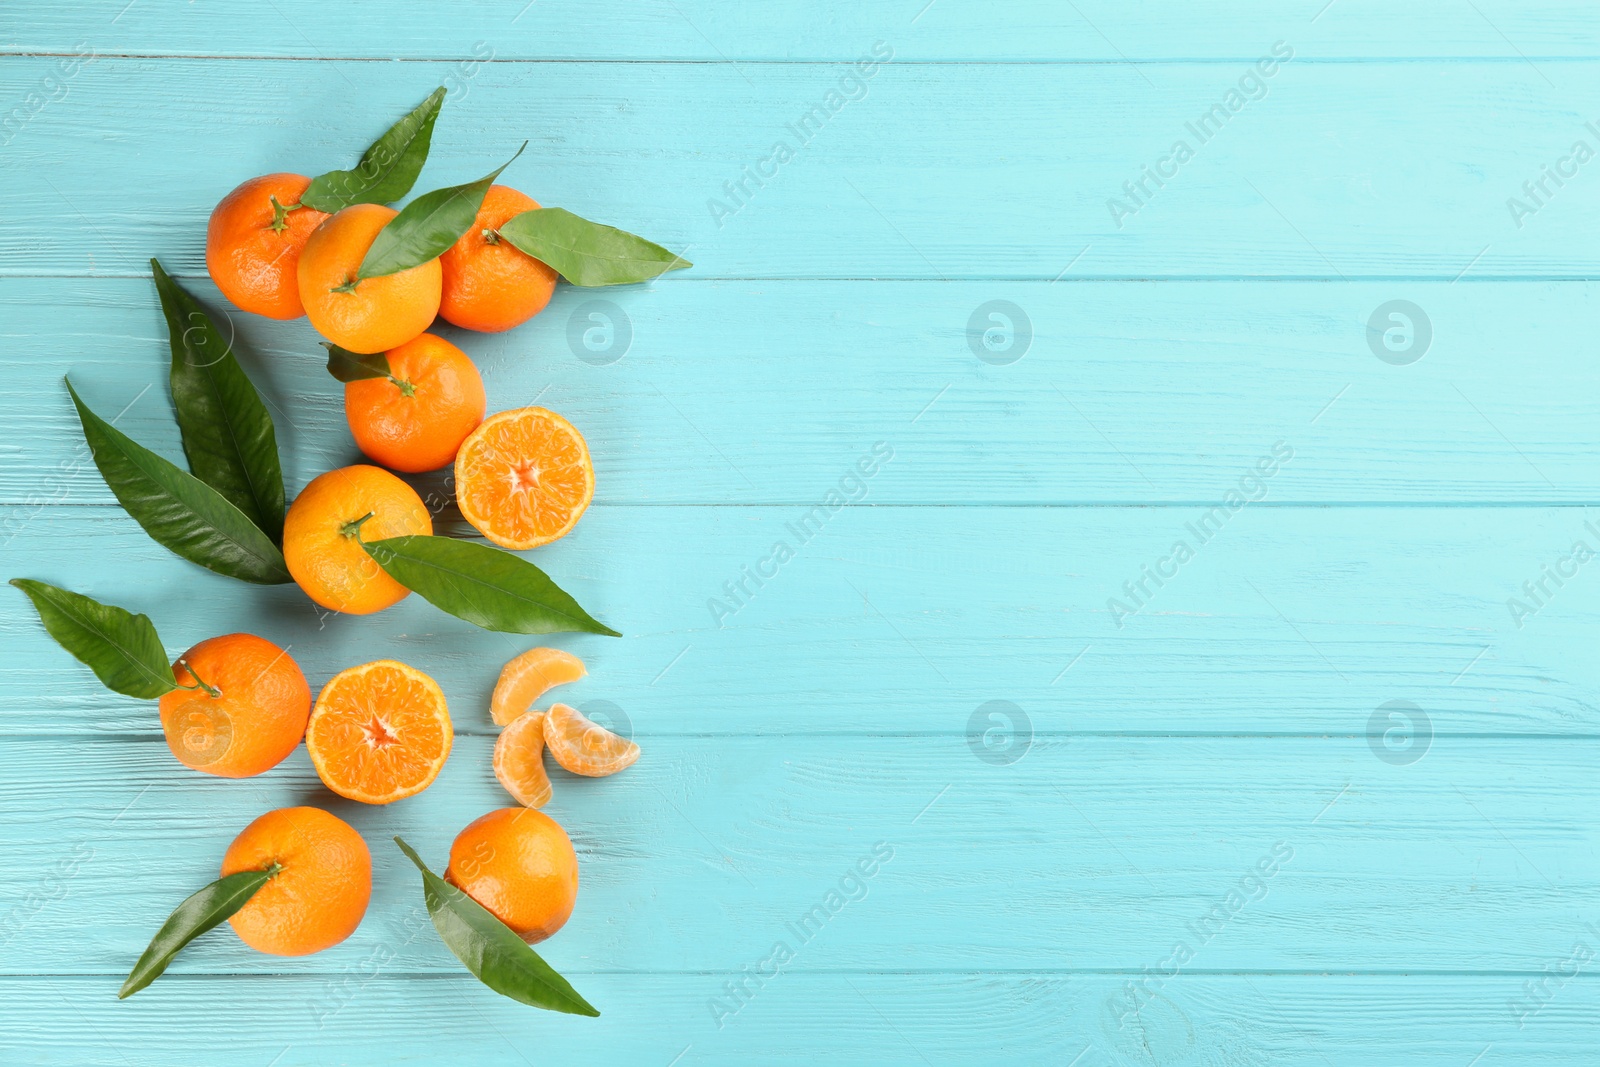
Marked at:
<point>415,419</point>
<point>520,865</point>
<point>524,477</point>
<point>379,732</point>
<point>320,537</point>
<point>519,761</point>
<point>369,314</point>
<point>585,747</point>
<point>528,677</point>
<point>322,887</point>
<point>490,284</point>
<point>253,247</point>
<point>257,716</point>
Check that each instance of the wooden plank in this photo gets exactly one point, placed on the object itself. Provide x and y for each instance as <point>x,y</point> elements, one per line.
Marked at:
<point>1259,854</point>
<point>1126,393</point>
<point>1288,620</point>
<point>798,1018</point>
<point>724,30</point>
<point>924,175</point>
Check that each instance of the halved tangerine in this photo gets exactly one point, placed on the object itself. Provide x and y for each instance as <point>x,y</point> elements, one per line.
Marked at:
<point>528,677</point>
<point>524,477</point>
<point>583,746</point>
<point>519,761</point>
<point>379,732</point>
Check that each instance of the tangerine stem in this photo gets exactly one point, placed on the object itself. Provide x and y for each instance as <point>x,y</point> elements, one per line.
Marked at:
<point>405,387</point>
<point>353,527</point>
<point>348,287</point>
<point>491,236</point>
<point>280,214</point>
<point>200,682</point>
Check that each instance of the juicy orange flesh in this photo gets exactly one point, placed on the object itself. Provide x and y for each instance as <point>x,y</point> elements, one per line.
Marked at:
<point>519,761</point>
<point>525,477</point>
<point>528,677</point>
<point>585,747</point>
<point>380,732</point>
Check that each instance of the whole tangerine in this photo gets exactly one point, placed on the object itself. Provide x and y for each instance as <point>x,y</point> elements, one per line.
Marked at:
<point>320,891</point>
<point>415,419</point>
<point>244,708</point>
<point>254,241</point>
<point>324,527</point>
<point>490,285</point>
<point>520,865</point>
<point>363,314</point>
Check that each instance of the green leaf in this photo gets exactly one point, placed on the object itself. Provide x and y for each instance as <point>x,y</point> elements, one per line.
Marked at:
<point>201,912</point>
<point>177,509</point>
<point>427,226</point>
<point>227,433</point>
<point>387,170</point>
<point>348,366</point>
<point>486,586</point>
<point>123,649</point>
<point>588,253</point>
<point>500,959</point>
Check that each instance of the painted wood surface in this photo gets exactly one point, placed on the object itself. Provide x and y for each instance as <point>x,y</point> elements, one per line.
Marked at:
<point>1331,171</point>
<point>1358,715</point>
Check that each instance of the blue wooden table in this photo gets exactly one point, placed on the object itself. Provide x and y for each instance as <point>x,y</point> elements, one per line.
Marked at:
<point>1204,672</point>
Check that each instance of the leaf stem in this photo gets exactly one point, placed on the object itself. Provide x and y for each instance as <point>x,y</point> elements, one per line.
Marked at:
<point>280,214</point>
<point>353,527</point>
<point>200,682</point>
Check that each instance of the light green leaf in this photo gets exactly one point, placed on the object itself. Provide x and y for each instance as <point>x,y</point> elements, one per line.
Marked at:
<point>123,649</point>
<point>203,911</point>
<point>486,586</point>
<point>500,959</point>
<point>348,366</point>
<point>227,432</point>
<point>588,253</point>
<point>427,226</point>
<point>177,509</point>
<point>387,170</point>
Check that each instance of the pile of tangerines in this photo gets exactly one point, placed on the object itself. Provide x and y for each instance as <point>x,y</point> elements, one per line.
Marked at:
<point>381,731</point>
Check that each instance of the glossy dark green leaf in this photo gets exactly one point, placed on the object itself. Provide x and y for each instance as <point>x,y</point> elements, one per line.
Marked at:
<point>227,433</point>
<point>588,253</point>
<point>177,509</point>
<point>123,649</point>
<point>203,911</point>
<point>348,366</point>
<point>500,959</point>
<point>427,226</point>
<point>387,170</point>
<point>486,586</point>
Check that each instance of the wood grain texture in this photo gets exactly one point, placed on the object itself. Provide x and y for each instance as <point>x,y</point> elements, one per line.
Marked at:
<point>1290,620</point>
<point>1336,171</point>
<point>708,851</point>
<point>1147,393</point>
<point>1433,910</point>
<point>726,30</point>
<point>911,1019</point>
